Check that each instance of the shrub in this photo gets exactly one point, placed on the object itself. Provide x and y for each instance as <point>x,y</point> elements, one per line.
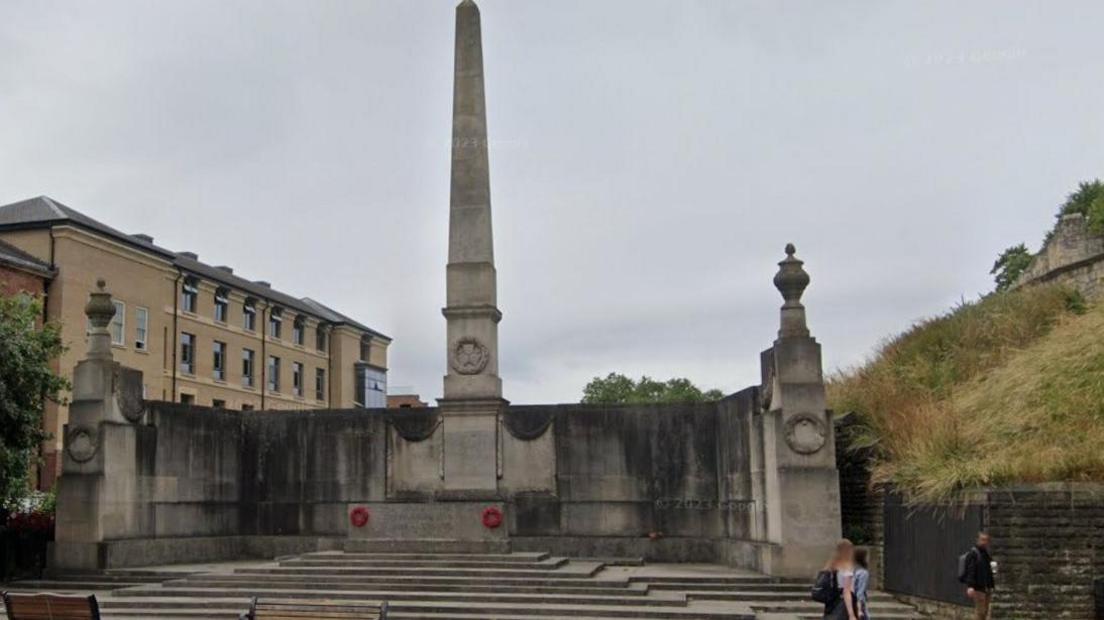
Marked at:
<point>1009,265</point>
<point>935,403</point>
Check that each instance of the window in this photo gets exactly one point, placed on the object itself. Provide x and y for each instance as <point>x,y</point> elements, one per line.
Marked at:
<point>365,347</point>
<point>247,407</point>
<point>187,353</point>
<point>189,295</point>
<point>249,314</point>
<point>222,303</point>
<point>247,367</point>
<point>275,320</point>
<point>297,330</point>
<point>218,403</point>
<point>320,335</point>
<point>141,329</point>
<point>370,385</point>
<point>297,378</point>
<point>187,399</point>
<point>273,373</point>
<point>320,383</point>
<point>219,360</point>
<point>118,324</point>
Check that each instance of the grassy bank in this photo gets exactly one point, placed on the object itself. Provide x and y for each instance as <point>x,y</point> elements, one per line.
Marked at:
<point>1006,389</point>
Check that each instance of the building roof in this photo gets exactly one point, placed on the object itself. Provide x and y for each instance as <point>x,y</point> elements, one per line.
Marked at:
<point>15,258</point>
<point>44,212</point>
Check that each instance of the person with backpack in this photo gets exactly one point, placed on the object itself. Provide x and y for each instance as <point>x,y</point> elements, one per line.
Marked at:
<point>975,569</point>
<point>835,584</point>
<point>862,584</point>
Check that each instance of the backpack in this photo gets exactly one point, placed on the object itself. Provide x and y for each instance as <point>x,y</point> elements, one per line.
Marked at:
<point>825,590</point>
<point>963,562</point>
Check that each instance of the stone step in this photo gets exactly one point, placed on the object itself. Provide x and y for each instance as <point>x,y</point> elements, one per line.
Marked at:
<point>414,609</point>
<point>572,570</point>
<point>102,577</point>
<point>771,595</point>
<point>499,611</point>
<point>53,585</point>
<point>168,614</point>
<point>545,564</point>
<point>148,572</point>
<point>416,581</point>
<point>815,610</point>
<point>668,599</point>
<point>425,545</point>
<point>517,556</point>
<point>764,586</point>
<point>719,580</point>
<point>874,613</point>
<point>422,615</point>
<point>637,561</point>
<point>382,584</point>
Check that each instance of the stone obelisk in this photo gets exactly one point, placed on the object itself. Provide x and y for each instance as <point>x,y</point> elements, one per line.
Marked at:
<point>473,390</point>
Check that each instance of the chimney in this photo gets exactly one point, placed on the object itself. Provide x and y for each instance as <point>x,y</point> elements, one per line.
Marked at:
<point>263,283</point>
<point>143,237</point>
<point>191,255</point>
<point>224,268</point>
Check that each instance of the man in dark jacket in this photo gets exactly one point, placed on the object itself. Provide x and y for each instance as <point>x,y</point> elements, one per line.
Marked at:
<point>979,576</point>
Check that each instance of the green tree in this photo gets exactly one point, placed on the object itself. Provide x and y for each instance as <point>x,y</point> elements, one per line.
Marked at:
<point>1096,215</point>
<point>1010,264</point>
<point>1080,200</point>
<point>26,383</point>
<point>1088,200</point>
<point>616,388</point>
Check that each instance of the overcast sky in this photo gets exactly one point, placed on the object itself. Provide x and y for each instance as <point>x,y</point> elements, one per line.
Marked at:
<point>649,160</point>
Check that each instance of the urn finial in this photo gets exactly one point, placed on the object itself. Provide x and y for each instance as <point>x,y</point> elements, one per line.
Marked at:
<point>99,310</point>
<point>791,280</point>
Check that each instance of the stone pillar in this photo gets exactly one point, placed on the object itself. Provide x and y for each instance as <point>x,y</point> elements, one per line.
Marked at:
<point>801,493</point>
<point>98,488</point>
<point>472,388</point>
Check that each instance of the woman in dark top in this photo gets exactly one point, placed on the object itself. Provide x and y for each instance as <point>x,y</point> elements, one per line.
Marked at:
<point>842,565</point>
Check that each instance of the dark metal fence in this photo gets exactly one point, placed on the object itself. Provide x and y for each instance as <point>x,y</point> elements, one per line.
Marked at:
<point>922,545</point>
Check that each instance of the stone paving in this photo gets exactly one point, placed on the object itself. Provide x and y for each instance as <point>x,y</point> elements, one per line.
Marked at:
<point>456,586</point>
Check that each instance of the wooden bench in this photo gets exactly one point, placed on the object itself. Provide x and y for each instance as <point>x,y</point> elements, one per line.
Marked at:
<point>51,607</point>
<point>287,609</point>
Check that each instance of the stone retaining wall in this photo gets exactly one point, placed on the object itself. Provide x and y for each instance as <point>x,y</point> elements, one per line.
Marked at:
<point>1049,544</point>
<point>1048,540</point>
<point>1072,256</point>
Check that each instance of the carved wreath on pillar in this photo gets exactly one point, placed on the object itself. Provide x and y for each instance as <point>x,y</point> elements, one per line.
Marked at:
<point>469,356</point>
<point>82,444</point>
<point>805,433</point>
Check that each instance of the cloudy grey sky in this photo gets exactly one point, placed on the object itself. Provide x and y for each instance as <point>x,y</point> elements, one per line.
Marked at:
<point>649,159</point>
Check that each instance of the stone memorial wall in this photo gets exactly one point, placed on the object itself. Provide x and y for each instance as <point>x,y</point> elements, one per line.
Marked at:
<point>750,480</point>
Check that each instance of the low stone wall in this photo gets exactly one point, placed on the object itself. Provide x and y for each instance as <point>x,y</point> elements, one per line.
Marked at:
<point>666,482</point>
<point>205,473</point>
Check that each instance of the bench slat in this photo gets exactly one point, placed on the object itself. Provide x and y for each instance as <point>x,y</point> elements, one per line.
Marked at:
<point>325,609</point>
<point>46,606</point>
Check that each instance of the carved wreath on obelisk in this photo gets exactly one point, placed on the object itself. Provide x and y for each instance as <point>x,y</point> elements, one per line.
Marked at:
<point>469,356</point>
<point>805,433</point>
<point>82,444</point>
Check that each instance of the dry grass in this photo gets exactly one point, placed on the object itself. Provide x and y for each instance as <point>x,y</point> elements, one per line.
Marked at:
<point>1006,389</point>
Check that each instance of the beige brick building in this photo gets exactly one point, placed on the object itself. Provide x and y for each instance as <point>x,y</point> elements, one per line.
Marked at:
<point>199,333</point>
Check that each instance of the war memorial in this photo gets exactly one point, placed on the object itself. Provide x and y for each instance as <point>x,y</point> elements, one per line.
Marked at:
<point>472,492</point>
